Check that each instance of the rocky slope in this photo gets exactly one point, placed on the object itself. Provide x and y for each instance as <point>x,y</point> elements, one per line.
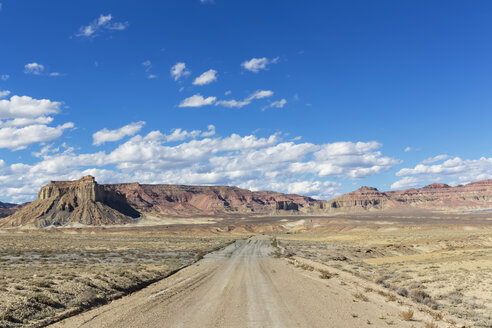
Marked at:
<point>164,200</point>
<point>436,197</point>
<point>74,202</point>
<point>86,202</point>
<point>7,209</point>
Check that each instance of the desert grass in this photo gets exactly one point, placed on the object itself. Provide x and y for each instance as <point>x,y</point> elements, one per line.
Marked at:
<point>444,268</point>
<point>46,276</point>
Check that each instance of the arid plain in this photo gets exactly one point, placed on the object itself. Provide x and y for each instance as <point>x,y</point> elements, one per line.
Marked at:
<point>91,255</point>
<point>416,270</point>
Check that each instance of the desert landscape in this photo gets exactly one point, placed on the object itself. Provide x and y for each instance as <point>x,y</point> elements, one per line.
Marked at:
<point>90,255</point>
<point>245,164</point>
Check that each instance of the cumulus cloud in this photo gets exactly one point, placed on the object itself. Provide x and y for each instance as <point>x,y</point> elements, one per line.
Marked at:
<point>33,68</point>
<point>407,149</point>
<point>259,94</point>
<point>179,70</point>
<point>24,121</point>
<point>5,77</point>
<point>19,138</point>
<point>406,182</point>
<point>106,135</point>
<point>453,170</point>
<point>202,157</point>
<point>257,64</point>
<point>197,101</point>
<point>434,159</point>
<point>27,107</point>
<point>180,134</point>
<point>4,93</point>
<point>55,74</point>
<point>98,25</point>
<point>206,77</point>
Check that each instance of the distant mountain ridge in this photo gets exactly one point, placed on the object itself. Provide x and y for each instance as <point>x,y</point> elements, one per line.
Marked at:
<point>86,202</point>
<point>436,197</point>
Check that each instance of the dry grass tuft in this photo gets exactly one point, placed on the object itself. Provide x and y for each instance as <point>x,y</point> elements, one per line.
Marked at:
<point>407,315</point>
<point>325,274</point>
<point>431,325</point>
<point>361,297</point>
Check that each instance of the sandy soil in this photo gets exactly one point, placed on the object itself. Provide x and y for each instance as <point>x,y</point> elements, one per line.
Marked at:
<point>448,269</point>
<point>45,276</point>
<point>244,285</point>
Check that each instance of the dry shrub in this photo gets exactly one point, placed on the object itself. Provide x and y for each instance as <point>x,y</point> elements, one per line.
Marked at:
<point>361,297</point>
<point>325,274</point>
<point>306,267</point>
<point>407,315</point>
<point>418,295</point>
<point>402,292</point>
<point>431,325</point>
<point>391,298</point>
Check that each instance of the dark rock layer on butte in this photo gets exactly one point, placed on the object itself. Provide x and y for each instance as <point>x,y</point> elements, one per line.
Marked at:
<point>82,201</point>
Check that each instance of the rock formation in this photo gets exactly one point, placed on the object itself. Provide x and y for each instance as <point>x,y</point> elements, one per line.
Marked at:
<point>70,202</point>
<point>435,197</point>
<point>7,209</point>
<point>165,200</point>
<point>86,202</point>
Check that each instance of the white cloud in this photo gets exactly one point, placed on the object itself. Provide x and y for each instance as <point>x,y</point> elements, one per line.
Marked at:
<point>55,74</point>
<point>22,107</point>
<point>106,135</point>
<point>151,76</point>
<point>179,70</point>
<point>405,183</point>
<point>19,138</point>
<point>452,170</point>
<point>228,92</point>
<point>5,77</point>
<point>197,101</point>
<point>250,161</point>
<point>25,121</point>
<point>259,94</point>
<point>258,64</point>
<point>232,103</point>
<point>407,149</point>
<point>279,103</point>
<point>434,159</point>
<point>206,77</point>
<point>33,68</point>
<point>103,23</point>
<point>180,134</point>
<point>4,93</point>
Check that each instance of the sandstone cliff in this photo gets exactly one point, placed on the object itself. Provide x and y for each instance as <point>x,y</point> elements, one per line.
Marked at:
<point>435,197</point>
<point>70,202</point>
<point>86,202</point>
<point>162,200</point>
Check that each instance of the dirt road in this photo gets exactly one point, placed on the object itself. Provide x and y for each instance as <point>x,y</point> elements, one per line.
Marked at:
<point>243,286</point>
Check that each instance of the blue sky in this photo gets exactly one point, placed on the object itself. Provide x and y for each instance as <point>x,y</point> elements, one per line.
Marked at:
<point>315,97</point>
